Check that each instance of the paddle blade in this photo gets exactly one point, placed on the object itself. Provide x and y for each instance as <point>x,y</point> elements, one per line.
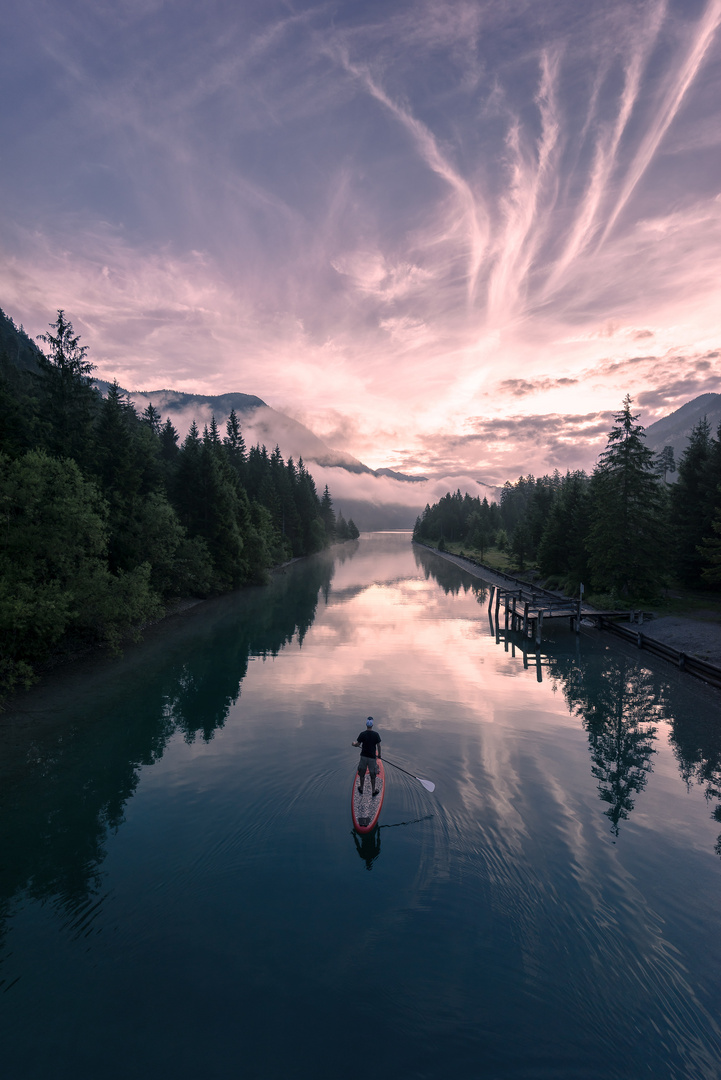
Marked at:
<point>426,784</point>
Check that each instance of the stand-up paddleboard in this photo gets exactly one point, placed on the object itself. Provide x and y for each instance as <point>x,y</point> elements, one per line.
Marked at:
<point>365,808</point>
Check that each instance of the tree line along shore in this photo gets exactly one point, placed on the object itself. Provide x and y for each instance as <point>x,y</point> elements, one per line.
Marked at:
<point>106,516</point>
<point>625,532</point>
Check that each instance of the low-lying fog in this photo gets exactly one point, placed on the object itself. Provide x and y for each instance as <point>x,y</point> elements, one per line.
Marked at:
<point>374,502</point>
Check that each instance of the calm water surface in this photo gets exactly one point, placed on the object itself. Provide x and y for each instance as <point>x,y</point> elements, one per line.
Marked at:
<point>182,895</point>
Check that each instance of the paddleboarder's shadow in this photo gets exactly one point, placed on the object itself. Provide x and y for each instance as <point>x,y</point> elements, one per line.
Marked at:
<point>368,846</point>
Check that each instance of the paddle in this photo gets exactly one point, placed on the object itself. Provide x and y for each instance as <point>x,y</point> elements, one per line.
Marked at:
<point>427,784</point>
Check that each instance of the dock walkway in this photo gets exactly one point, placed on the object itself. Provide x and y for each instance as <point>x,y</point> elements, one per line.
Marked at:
<point>526,607</point>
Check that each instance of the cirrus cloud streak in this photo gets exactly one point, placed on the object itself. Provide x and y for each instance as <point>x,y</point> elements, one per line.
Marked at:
<point>446,236</point>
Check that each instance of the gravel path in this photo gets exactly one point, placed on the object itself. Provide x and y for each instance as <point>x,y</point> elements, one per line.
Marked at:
<point>699,637</point>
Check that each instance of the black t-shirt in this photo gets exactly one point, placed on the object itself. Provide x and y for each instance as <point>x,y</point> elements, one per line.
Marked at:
<point>368,742</point>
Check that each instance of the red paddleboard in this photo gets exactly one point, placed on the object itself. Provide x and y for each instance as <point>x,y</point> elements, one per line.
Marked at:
<point>365,808</point>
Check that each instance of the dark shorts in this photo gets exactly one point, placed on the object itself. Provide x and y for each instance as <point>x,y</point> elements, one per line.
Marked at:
<point>369,763</point>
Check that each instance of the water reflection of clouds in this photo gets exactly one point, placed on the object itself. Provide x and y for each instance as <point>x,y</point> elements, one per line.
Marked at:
<point>518,863</point>
<point>394,642</point>
<point>421,657</point>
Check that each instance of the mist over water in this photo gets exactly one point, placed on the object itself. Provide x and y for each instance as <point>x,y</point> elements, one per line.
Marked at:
<point>182,895</point>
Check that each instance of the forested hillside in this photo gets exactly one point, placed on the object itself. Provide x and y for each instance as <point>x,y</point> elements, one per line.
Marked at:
<point>623,531</point>
<point>106,515</point>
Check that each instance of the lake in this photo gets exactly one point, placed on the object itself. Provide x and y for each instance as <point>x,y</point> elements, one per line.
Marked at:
<point>182,893</point>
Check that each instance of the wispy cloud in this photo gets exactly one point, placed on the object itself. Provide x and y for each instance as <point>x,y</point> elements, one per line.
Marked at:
<point>605,155</point>
<point>471,225</point>
<point>676,86</point>
<point>381,221</point>
<point>533,176</point>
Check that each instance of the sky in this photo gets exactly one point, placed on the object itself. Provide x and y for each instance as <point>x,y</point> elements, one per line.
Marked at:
<point>448,236</point>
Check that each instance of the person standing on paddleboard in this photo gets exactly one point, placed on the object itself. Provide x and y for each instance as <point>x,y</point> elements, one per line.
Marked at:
<point>370,744</point>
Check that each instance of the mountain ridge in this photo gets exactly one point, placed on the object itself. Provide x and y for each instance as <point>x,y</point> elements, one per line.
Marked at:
<point>674,429</point>
<point>265,424</point>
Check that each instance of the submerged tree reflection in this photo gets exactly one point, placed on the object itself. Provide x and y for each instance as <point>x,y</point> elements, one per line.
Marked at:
<point>697,747</point>
<point>65,779</point>
<point>619,701</point>
<point>451,577</point>
<point>618,704</point>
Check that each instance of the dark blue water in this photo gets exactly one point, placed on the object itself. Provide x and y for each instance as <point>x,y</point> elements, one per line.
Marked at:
<point>182,895</point>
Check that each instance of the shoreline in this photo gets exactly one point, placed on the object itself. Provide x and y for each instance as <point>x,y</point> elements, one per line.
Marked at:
<point>97,654</point>
<point>696,636</point>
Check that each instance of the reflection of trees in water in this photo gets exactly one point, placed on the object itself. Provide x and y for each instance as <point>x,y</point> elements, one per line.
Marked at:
<point>341,554</point>
<point>697,747</point>
<point>451,577</point>
<point>62,788</point>
<point>618,702</point>
<point>200,689</point>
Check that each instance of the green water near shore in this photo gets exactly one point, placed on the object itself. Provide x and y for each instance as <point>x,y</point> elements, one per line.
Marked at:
<point>182,895</point>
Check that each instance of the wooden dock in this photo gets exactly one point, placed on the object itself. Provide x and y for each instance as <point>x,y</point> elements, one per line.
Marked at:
<point>526,608</point>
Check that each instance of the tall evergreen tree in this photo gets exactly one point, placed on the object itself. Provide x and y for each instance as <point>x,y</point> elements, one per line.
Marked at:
<point>562,550</point>
<point>234,442</point>
<point>70,400</point>
<point>690,516</point>
<point>17,408</point>
<point>168,441</point>
<point>342,530</point>
<point>129,471</point>
<point>327,513</point>
<point>666,462</point>
<point>626,517</point>
<point>151,417</point>
<point>212,434</point>
<point>710,553</point>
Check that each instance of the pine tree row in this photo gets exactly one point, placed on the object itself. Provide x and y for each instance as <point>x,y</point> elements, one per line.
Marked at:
<point>624,530</point>
<point>105,515</point>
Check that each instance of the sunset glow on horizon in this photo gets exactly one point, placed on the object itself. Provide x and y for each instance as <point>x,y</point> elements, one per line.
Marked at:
<point>447,237</point>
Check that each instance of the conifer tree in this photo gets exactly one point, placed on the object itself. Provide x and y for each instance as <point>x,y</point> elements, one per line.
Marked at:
<point>562,550</point>
<point>168,451</point>
<point>70,400</point>
<point>712,479</point>
<point>17,412</point>
<point>187,491</point>
<point>151,417</point>
<point>212,434</point>
<point>234,442</point>
<point>168,441</point>
<point>710,552</point>
<point>666,461</point>
<point>341,527</point>
<point>690,517</point>
<point>327,513</point>
<point>626,516</point>
<point>308,505</point>
<point>120,465</point>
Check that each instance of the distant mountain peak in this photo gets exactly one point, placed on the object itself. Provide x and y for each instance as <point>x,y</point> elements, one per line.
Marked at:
<point>674,429</point>
<point>260,423</point>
